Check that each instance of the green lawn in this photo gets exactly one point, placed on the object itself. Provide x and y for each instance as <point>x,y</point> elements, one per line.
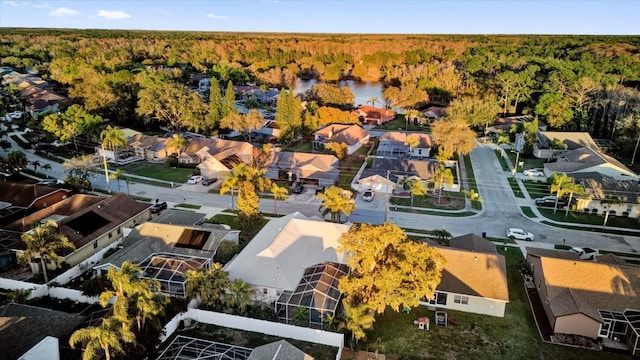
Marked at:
<point>528,212</point>
<point>161,171</point>
<point>503,162</point>
<point>428,201</point>
<point>536,189</point>
<point>471,180</point>
<point>590,219</point>
<point>437,213</point>
<point>515,188</point>
<point>188,206</point>
<point>513,337</point>
<point>528,163</point>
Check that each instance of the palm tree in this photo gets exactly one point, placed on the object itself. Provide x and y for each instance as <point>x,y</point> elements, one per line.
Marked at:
<point>411,114</point>
<point>279,193</point>
<point>373,100</point>
<point>43,243</point>
<point>443,176</point>
<point>335,201</point>
<point>207,284</point>
<point>502,137</point>
<point>609,199</point>
<point>46,167</point>
<point>35,165</point>
<point>231,183</point>
<point>556,144</point>
<point>19,296</point>
<point>441,235</point>
<point>112,139</point>
<point>301,316</point>
<point>572,189</point>
<point>117,175</point>
<point>149,308</point>
<point>177,144</point>
<point>106,336</point>
<point>238,295</point>
<point>415,187</point>
<point>127,286</point>
<point>412,141</point>
<point>16,161</point>
<point>558,184</point>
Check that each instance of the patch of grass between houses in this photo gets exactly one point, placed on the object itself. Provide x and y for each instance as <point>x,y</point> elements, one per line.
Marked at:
<point>526,210</point>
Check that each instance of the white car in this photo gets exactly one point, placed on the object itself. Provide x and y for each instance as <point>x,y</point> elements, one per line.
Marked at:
<point>368,195</point>
<point>15,115</point>
<point>195,179</point>
<point>585,253</point>
<point>533,172</point>
<point>519,234</point>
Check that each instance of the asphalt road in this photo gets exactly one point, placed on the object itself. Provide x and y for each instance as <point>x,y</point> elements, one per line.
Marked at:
<point>500,206</point>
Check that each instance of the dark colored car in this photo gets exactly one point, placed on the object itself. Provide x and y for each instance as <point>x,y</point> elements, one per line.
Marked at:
<point>550,201</point>
<point>298,188</point>
<point>158,206</point>
<point>320,190</point>
<point>208,181</point>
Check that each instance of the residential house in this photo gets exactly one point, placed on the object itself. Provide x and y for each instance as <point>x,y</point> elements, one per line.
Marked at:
<point>373,116</point>
<point>472,242</point>
<point>599,188</point>
<point>282,250</point>
<point>150,148</point>
<point>588,160</point>
<point>396,170</point>
<point>321,169</point>
<point>591,299</point>
<point>23,326</point>
<point>395,144</point>
<point>376,182</point>
<point>434,113</point>
<point>472,281</point>
<point>17,199</point>
<point>506,123</point>
<point>122,155</point>
<point>573,140</point>
<point>186,347</point>
<point>353,136</point>
<point>37,91</point>
<point>217,157</point>
<point>90,222</point>
<point>165,252</point>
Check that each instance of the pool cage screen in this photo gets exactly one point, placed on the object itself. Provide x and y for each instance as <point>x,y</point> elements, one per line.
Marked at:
<point>170,270</point>
<point>317,292</point>
<point>188,348</point>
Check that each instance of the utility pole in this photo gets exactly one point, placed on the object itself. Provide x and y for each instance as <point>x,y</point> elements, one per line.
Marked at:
<point>386,203</point>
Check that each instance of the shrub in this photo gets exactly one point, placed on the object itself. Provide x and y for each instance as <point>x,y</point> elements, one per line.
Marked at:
<point>226,251</point>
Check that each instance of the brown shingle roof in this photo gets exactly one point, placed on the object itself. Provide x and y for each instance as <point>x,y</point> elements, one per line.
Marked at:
<point>23,195</point>
<point>584,158</point>
<point>425,140</point>
<point>597,186</point>
<point>374,112</point>
<point>422,169</point>
<point>64,208</point>
<point>560,254</point>
<point>348,134</point>
<point>573,139</point>
<point>584,286</point>
<point>473,242</point>
<point>475,274</point>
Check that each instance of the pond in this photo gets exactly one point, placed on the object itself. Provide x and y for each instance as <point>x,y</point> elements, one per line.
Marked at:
<point>362,90</point>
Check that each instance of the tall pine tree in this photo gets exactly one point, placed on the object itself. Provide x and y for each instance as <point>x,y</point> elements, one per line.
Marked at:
<point>229,104</point>
<point>215,105</point>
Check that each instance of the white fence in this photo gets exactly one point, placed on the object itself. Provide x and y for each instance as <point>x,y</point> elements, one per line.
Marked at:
<point>39,290</point>
<point>261,326</point>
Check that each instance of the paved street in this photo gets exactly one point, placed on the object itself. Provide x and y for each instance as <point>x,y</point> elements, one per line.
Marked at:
<point>501,209</point>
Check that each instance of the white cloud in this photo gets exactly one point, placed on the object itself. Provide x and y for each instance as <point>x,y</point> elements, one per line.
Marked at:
<point>42,6</point>
<point>215,16</point>
<point>113,14</point>
<point>63,11</point>
<point>13,3</point>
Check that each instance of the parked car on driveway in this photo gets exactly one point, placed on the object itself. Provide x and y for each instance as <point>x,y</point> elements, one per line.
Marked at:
<point>158,206</point>
<point>208,181</point>
<point>550,201</point>
<point>585,253</point>
<point>319,190</point>
<point>298,188</point>
<point>195,179</point>
<point>368,195</point>
<point>519,234</point>
<point>534,172</point>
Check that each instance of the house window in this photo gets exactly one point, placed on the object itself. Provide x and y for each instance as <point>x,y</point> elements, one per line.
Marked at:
<point>110,235</point>
<point>95,244</point>
<point>265,291</point>
<point>419,151</point>
<point>119,231</point>
<point>462,300</point>
<point>604,329</point>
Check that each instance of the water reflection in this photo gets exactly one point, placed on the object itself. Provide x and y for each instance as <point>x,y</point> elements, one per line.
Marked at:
<point>362,90</point>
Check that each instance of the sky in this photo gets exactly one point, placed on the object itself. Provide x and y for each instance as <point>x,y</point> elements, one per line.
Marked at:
<point>595,17</point>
